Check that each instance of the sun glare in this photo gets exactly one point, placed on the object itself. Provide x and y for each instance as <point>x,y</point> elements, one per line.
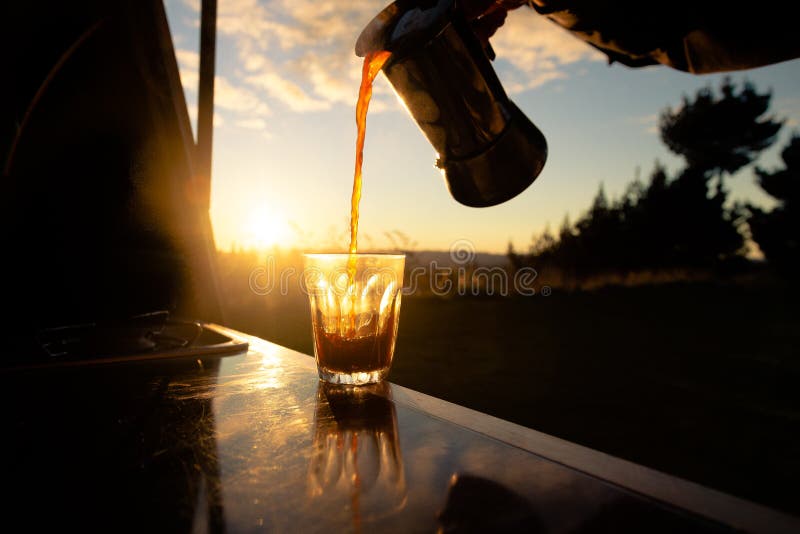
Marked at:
<point>266,228</point>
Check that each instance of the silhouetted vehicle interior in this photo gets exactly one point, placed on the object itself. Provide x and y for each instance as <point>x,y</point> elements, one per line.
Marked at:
<point>105,223</point>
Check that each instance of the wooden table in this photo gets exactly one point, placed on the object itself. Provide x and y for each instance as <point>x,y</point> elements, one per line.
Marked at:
<point>253,442</point>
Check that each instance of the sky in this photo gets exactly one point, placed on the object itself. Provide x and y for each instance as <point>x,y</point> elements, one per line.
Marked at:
<point>284,134</point>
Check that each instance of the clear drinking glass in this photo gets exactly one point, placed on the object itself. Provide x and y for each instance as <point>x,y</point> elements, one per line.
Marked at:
<point>355,309</point>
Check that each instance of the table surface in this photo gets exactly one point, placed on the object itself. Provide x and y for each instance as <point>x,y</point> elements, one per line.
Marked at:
<point>253,442</point>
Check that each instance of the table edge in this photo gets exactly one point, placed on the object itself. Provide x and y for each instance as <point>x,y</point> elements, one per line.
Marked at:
<point>712,504</point>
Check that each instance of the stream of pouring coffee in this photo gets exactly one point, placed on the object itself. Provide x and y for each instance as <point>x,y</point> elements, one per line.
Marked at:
<point>372,65</point>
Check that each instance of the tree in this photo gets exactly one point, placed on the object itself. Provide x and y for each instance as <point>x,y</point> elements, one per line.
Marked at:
<point>704,233</point>
<point>784,185</point>
<point>543,242</point>
<point>777,232</point>
<point>715,135</point>
<point>722,134</point>
<point>676,222</point>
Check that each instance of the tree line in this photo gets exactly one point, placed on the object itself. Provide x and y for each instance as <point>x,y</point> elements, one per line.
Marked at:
<point>684,221</point>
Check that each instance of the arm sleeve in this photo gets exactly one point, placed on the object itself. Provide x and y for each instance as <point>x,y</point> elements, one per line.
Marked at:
<point>693,36</point>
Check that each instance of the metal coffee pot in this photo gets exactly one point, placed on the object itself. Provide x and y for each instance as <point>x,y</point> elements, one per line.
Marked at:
<point>488,150</point>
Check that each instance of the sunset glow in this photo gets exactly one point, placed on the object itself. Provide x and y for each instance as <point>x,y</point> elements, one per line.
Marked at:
<point>265,229</point>
<point>287,80</point>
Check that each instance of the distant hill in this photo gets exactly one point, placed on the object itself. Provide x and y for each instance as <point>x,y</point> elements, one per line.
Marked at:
<point>421,257</point>
<point>444,257</point>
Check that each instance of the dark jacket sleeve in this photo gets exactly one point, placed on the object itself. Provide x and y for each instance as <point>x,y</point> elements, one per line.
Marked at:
<point>693,36</point>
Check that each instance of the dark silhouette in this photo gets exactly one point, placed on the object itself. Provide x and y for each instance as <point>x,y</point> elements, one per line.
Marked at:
<point>720,135</point>
<point>673,223</point>
<point>102,202</point>
<point>697,37</point>
<point>477,504</point>
<point>777,231</point>
<point>133,446</point>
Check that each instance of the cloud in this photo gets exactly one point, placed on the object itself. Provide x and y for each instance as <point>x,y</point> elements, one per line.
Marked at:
<point>287,92</point>
<point>252,124</point>
<point>257,125</point>
<point>188,59</point>
<point>188,65</point>
<point>299,54</point>
<point>239,102</point>
<point>648,123</point>
<point>219,120</point>
<point>537,50</point>
<point>238,98</point>
<point>787,108</point>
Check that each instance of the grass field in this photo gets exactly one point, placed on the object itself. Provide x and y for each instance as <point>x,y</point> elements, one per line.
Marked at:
<point>696,380</point>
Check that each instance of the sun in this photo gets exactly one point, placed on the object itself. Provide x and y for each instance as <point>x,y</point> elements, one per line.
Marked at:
<point>266,228</point>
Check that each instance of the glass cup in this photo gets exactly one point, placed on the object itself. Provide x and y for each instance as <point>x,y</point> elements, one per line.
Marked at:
<point>355,309</point>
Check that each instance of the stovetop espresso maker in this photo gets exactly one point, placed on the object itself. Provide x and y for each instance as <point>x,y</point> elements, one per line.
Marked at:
<point>488,150</point>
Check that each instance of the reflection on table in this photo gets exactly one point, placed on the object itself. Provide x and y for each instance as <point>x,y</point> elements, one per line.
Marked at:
<point>356,463</point>
<point>253,442</point>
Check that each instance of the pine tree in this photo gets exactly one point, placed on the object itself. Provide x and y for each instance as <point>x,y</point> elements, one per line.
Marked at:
<point>717,135</point>
<point>777,232</point>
